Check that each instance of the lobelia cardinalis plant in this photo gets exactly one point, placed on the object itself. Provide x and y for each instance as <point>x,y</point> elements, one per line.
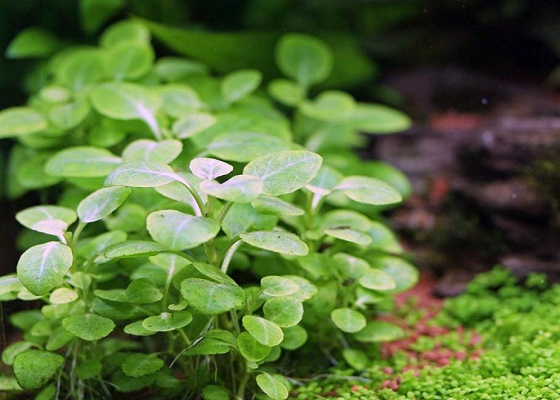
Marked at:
<point>202,234</point>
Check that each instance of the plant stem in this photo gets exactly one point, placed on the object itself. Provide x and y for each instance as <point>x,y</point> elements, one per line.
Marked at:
<point>228,252</point>
<point>200,210</point>
<point>223,212</point>
<point>240,395</point>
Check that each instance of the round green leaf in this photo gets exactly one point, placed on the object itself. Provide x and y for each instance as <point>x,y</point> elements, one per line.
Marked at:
<point>102,202</point>
<point>348,320</point>
<point>174,69</point>
<point>179,100</point>
<point>376,118</point>
<point>284,171</point>
<point>212,298</point>
<point>69,116</point>
<point>272,387</point>
<point>142,174</point>
<point>403,273</point>
<point>166,321</point>
<point>283,311</point>
<point>357,359</point>
<point>163,152</point>
<point>133,248</point>
<point>350,266</point>
<point>34,368</point>
<point>286,92</point>
<point>33,217</point>
<point>379,331</point>
<point>209,168</point>
<point>213,273</point>
<point>250,348</point>
<point>63,296</point>
<point>143,291</point>
<point>81,67</point>
<point>89,368</point>
<point>139,364</point>
<point>303,58</point>
<point>32,43</point>
<point>369,190</point>
<point>179,231</point>
<point>88,327</point>
<point>275,286</point>
<point>42,267</point>
<point>329,106</point>
<point>215,392</point>
<point>239,189</point>
<point>58,338</point>
<point>82,162</point>
<point>12,350</point>
<point>245,146</point>
<point>266,332</point>
<point>350,235</point>
<point>137,329</point>
<point>294,337</point>
<point>129,61</point>
<point>125,32</point>
<point>19,121</point>
<point>239,84</point>
<point>275,206</point>
<point>192,124</point>
<point>276,241</point>
<point>376,279</point>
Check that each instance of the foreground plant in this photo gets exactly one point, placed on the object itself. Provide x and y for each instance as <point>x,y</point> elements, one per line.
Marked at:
<point>205,244</point>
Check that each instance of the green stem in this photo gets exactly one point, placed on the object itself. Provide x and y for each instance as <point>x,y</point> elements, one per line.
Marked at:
<point>77,233</point>
<point>240,395</point>
<point>223,212</point>
<point>183,255</point>
<point>227,253</point>
<point>200,204</point>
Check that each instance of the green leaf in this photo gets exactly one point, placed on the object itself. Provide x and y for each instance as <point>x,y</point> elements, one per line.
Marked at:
<point>376,118</point>
<point>277,286</point>
<point>82,162</point>
<point>239,189</point>
<point>284,171</point>
<point>89,368</point>
<point>209,168</point>
<point>403,273</point>
<point>179,231</point>
<point>304,58</point>
<point>250,348</point>
<point>129,61</point>
<point>35,217</point>
<point>368,190</point>
<point>180,100</point>
<point>192,124</point>
<point>275,206</point>
<point>32,43</point>
<point>42,267</point>
<point>143,291</point>
<point>12,350</point>
<point>139,364</point>
<point>80,67</point>
<point>276,241</point>
<point>210,271</point>
<point>102,202</point>
<point>19,121</point>
<point>243,217</point>
<point>329,106</point>
<point>286,92</point>
<point>266,332</point>
<point>379,331</point>
<point>166,321</point>
<point>174,69</point>
<point>58,338</point>
<point>69,116</point>
<point>294,337</point>
<point>137,329</point>
<point>283,311</point>
<point>133,248</point>
<point>245,146</point>
<point>95,13</point>
<point>239,84</point>
<point>63,296</point>
<point>127,101</point>
<point>125,32</point>
<point>349,235</point>
<point>348,320</point>
<point>142,174</point>
<point>88,327</point>
<point>34,368</point>
<point>272,387</point>
<point>357,359</point>
<point>212,298</point>
<point>163,152</point>
<point>214,392</point>
<point>350,266</point>
<point>376,279</point>
<point>208,346</point>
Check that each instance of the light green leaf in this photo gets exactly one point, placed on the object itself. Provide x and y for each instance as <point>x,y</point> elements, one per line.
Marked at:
<point>349,235</point>
<point>402,272</point>
<point>88,327</point>
<point>212,298</point>
<point>133,248</point>
<point>376,118</point>
<point>239,189</point>
<point>348,320</point>
<point>143,291</point>
<point>96,13</point>
<point>34,368</point>
<point>208,346</point>
<point>283,311</point>
<point>174,69</point>
<point>357,359</point>
<point>12,350</point>
<point>69,116</point>
<point>81,67</point>
<point>329,106</point>
<point>178,192</point>
<point>139,364</point>
<point>284,171</point>
<point>35,217</point>
<point>215,392</point>
<point>379,331</point>
<point>125,32</point>
<point>275,206</point>
<point>32,43</point>
<point>127,101</point>
<point>286,92</point>
<point>304,58</point>
<point>55,94</point>
<point>276,241</point>
<point>250,348</point>
<point>63,296</point>
<point>350,266</point>
<point>376,279</point>
<point>102,202</point>
<point>239,84</point>
<point>82,162</point>
<point>368,190</point>
<point>277,286</point>
<point>325,181</point>
<point>163,152</point>
<point>245,146</point>
<point>192,124</point>
<point>266,332</point>
<point>166,321</point>
<point>210,271</point>
<point>19,121</point>
<point>243,217</point>
<point>179,231</point>
<point>179,100</point>
<point>9,283</point>
<point>42,267</point>
<point>58,338</point>
<point>209,168</point>
<point>129,61</point>
<point>272,387</point>
<point>89,368</point>
<point>137,329</point>
<point>142,174</point>
<point>294,337</point>
<point>118,295</point>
